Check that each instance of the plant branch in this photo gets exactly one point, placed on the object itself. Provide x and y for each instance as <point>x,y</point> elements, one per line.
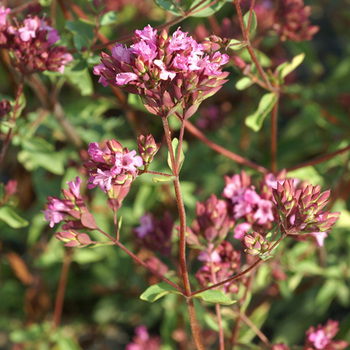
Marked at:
<point>274,115</point>
<point>235,157</point>
<point>182,248</point>
<point>13,120</point>
<point>320,159</point>
<point>250,48</point>
<point>139,261</point>
<point>62,288</point>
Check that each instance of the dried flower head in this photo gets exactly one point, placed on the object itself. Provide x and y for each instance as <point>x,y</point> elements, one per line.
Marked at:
<point>30,44</point>
<point>292,21</point>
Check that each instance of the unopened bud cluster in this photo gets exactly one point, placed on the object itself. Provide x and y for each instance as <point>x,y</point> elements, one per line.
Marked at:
<point>301,209</point>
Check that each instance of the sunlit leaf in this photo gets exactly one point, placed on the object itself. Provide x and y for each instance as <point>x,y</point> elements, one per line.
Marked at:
<point>255,120</point>
<point>215,296</point>
<point>157,291</point>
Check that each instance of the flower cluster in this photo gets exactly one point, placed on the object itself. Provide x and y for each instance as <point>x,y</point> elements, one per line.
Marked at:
<point>112,169</point>
<point>155,234</point>
<point>254,210</point>
<point>168,72</point>
<point>71,209</point>
<point>30,44</point>
<point>292,21</point>
<point>143,341</point>
<point>211,225</point>
<point>321,338</point>
<point>219,264</point>
<point>301,209</point>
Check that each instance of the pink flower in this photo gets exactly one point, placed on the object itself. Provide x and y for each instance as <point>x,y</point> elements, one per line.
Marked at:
<point>241,229</point>
<point>146,226</point>
<point>148,34</point>
<point>28,31</point>
<point>3,16</point>
<point>143,341</point>
<point>120,53</point>
<point>264,213</point>
<point>321,338</point>
<point>320,237</point>
<point>125,78</point>
<point>75,187</point>
<point>102,179</point>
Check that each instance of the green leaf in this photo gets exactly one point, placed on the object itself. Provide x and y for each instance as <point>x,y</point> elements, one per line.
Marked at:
<point>255,120</point>
<point>215,296</point>
<point>11,218</point>
<point>80,79</point>
<point>244,83</point>
<point>36,152</point>
<point>253,23</point>
<point>157,291</point>
<point>83,32</point>
<point>206,11</point>
<point>235,44</point>
<point>175,144</point>
<point>169,6</point>
<point>163,179</point>
<point>108,18</point>
<point>287,67</point>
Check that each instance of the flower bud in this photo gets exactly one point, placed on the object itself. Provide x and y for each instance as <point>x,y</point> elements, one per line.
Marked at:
<point>147,148</point>
<point>255,243</point>
<point>73,239</point>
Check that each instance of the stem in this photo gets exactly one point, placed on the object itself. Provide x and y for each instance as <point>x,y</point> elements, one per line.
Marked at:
<point>274,114</point>
<point>181,137</point>
<point>62,288</point>
<point>182,248</point>
<point>139,261</point>
<point>250,15</point>
<point>13,119</point>
<point>250,47</point>
<point>235,157</point>
<point>258,332</point>
<point>217,306</point>
<point>320,159</point>
<point>230,279</point>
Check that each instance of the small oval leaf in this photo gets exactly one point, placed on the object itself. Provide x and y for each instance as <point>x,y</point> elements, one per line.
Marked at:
<point>157,291</point>
<point>215,296</point>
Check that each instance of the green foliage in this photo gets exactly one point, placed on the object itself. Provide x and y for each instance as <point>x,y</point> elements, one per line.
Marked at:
<point>157,291</point>
<point>215,296</point>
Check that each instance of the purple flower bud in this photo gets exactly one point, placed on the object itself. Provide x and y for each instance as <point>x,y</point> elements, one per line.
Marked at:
<point>255,243</point>
<point>147,148</point>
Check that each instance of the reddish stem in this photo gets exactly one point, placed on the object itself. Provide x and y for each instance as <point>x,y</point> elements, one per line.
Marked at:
<point>62,288</point>
<point>13,119</point>
<point>139,261</point>
<point>182,248</point>
<point>250,48</point>
<point>235,157</point>
<point>320,159</point>
<point>274,115</point>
